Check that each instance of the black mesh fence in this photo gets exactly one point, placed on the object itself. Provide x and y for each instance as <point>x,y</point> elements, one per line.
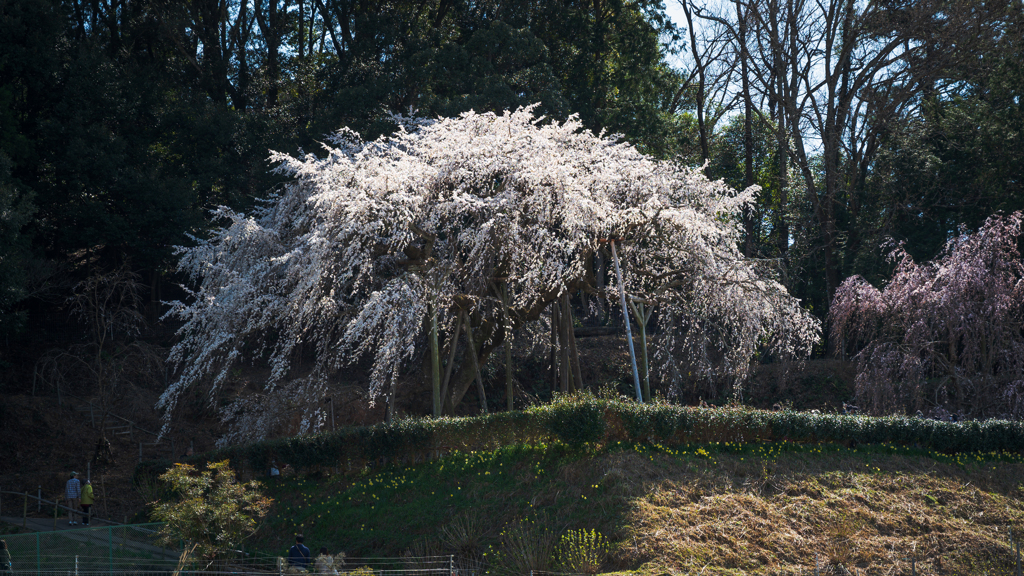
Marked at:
<point>133,550</point>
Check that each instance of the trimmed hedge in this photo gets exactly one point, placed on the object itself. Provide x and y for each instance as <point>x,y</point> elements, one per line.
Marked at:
<point>584,420</point>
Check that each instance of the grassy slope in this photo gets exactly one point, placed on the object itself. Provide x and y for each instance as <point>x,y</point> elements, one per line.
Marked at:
<point>718,509</point>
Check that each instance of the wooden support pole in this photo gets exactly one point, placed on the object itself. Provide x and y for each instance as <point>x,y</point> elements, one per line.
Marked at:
<point>641,320</point>
<point>574,354</point>
<point>508,372</point>
<point>106,511</point>
<point>452,347</point>
<point>555,318</point>
<point>435,363</point>
<point>564,325</point>
<point>625,317</point>
<point>391,400</point>
<point>476,366</point>
<point>503,295</point>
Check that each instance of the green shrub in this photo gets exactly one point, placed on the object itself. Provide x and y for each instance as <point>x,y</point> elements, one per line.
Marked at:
<point>576,420</point>
<point>581,552</point>
<point>524,546</point>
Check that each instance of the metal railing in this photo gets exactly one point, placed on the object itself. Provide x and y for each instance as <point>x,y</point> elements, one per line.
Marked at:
<point>133,549</point>
<point>58,508</point>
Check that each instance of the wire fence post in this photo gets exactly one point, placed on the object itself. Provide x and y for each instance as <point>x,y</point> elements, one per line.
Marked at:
<point>451,565</point>
<point>39,560</point>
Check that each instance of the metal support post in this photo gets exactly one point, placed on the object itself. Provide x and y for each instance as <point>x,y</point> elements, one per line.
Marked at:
<point>625,318</point>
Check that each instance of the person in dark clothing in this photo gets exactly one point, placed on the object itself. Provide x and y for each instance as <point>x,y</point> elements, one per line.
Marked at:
<point>298,555</point>
<point>5,558</point>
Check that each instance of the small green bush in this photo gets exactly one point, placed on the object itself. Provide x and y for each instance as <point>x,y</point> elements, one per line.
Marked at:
<point>581,552</point>
<point>576,420</point>
<point>524,546</point>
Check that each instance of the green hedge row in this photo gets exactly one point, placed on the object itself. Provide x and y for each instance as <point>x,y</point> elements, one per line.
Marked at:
<point>581,420</point>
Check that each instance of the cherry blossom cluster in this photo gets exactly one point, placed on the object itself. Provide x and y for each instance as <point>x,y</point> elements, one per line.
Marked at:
<point>371,239</point>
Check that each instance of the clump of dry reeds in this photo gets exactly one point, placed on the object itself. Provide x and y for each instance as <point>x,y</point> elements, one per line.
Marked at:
<point>845,512</point>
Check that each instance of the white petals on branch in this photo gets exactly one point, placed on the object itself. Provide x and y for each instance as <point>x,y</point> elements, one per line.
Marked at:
<point>350,256</point>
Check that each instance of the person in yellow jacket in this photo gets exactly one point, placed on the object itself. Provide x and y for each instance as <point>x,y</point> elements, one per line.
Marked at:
<point>87,502</point>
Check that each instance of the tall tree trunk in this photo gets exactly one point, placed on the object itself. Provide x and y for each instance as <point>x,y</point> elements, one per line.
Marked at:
<point>270,25</point>
<point>325,15</point>
<point>302,38</point>
<point>241,29</point>
<point>702,128</point>
<point>748,138</point>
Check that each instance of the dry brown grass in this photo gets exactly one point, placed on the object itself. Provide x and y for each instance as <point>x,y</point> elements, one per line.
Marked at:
<point>734,514</point>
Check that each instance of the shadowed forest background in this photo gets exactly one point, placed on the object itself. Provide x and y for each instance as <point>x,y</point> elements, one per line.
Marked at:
<point>124,122</point>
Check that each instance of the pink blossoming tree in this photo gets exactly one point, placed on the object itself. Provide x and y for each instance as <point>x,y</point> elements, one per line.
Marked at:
<point>944,336</point>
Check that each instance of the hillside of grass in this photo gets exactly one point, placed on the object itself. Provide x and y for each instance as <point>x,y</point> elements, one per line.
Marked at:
<point>691,508</point>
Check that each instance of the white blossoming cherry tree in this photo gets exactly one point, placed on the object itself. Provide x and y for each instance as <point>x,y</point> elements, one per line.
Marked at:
<point>478,226</point>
